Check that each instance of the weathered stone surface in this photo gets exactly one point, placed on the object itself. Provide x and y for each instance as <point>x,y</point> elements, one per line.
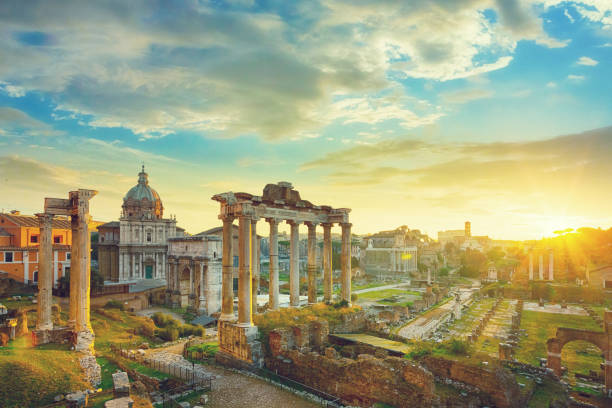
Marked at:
<point>123,402</point>
<point>77,399</point>
<point>121,384</point>
<point>240,342</point>
<point>91,368</point>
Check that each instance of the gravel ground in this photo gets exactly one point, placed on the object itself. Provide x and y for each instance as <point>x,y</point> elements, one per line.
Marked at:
<point>231,389</point>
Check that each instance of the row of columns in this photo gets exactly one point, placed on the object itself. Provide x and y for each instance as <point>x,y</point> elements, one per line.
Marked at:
<point>551,275</point>
<point>79,309</point>
<point>248,266</point>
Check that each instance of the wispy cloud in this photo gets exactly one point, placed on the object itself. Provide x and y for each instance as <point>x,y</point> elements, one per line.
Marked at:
<point>16,123</point>
<point>587,61</point>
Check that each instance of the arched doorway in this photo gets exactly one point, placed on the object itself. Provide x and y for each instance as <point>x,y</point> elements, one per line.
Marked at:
<point>184,284</point>
<point>601,340</point>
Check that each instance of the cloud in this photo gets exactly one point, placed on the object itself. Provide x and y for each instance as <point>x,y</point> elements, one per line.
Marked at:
<point>27,174</point>
<point>157,68</point>
<point>466,95</point>
<point>551,84</point>
<point>587,61</point>
<point>16,123</point>
<point>576,78</point>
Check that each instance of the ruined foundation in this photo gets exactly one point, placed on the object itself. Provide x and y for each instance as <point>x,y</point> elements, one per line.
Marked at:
<point>238,346</point>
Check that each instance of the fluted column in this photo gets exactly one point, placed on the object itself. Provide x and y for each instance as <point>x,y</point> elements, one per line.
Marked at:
<point>75,266</point>
<point>328,284</point>
<point>227,285</point>
<point>244,272</point>
<point>254,266</point>
<point>294,265</point>
<point>551,274</point>
<point>202,299</point>
<point>346,262</point>
<point>273,270</point>
<point>541,267</point>
<point>530,265</point>
<point>45,272</point>
<point>312,262</point>
<point>81,219</point>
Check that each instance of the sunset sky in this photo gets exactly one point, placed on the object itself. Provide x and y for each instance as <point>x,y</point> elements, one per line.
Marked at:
<point>418,113</point>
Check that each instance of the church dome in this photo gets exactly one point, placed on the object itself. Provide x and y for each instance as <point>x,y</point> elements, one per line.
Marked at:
<point>142,201</point>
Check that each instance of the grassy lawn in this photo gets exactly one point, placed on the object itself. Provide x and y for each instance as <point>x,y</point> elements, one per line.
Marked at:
<point>143,369</point>
<point>385,293</point>
<point>578,356</point>
<point>33,376</point>
<point>107,368</point>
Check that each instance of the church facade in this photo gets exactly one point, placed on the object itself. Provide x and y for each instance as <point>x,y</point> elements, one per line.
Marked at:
<point>136,247</point>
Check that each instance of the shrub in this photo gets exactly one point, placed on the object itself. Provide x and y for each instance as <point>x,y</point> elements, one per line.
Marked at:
<point>459,347</point>
<point>190,329</point>
<point>168,333</point>
<point>354,297</point>
<point>341,304</point>
<point>164,320</point>
<point>422,350</point>
<point>146,329</point>
<point>114,304</point>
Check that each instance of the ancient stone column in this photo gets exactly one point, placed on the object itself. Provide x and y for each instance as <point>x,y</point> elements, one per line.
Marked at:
<point>273,271</point>
<point>541,267</point>
<point>551,274</point>
<point>227,285</point>
<point>254,265</point>
<point>45,272</point>
<point>75,262</point>
<point>530,265</point>
<point>294,265</point>
<point>202,299</point>
<point>327,264</point>
<point>312,262</point>
<point>80,200</point>
<point>346,262</point>
<point>244,272</point>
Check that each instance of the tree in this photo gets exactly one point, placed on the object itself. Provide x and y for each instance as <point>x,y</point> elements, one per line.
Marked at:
<point>473,263</point>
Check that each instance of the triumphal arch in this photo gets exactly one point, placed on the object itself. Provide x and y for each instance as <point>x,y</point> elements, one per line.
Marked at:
<point>603,340</point>
<point>279,203</point>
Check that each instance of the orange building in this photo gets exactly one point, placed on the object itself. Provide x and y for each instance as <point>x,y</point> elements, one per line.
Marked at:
<point>19,240</point>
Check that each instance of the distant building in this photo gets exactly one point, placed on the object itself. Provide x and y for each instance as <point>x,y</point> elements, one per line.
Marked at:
<point>19,240</point>
<point>491,273</point>
<point>136,247</point>
<point>194,272</point>
<point>463,239</point>
<point>600,277</point>
<point>388,255</point>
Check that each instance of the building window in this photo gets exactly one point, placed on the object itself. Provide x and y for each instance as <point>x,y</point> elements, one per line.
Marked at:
<point>67,256</point>
<point>57,239</point>
<point>34,239</point>
<point>102,238</point>
<point>148,237</point>
<point>8,257</point>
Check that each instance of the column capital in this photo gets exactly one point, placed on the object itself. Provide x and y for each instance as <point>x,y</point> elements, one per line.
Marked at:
<point>273,220</point>
<point>293,222</point>
<point>311,224</point>
<point>346,224</point>
<point>327,224</point>
<point>44,216</point>
<point>226,218</point>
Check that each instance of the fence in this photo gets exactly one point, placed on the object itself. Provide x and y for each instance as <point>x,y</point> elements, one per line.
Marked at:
<point>189,374</point>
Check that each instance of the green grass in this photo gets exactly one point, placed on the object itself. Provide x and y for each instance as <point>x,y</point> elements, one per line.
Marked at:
<point>540,327</point>
<point>545,393</point>
<point>385,293</point>
<point>31,377</point>
<point>143,369</point>
<point>108,368</point>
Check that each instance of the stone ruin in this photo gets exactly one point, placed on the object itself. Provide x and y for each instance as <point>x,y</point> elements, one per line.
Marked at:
<point>79,330</point>
<point>238,343</point>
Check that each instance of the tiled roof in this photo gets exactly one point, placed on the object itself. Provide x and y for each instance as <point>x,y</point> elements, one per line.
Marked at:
<point>112,224</point>
<point>32,221</point>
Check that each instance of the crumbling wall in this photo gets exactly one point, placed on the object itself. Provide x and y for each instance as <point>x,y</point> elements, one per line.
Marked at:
<point>360,382</point>
<point>495,383</point>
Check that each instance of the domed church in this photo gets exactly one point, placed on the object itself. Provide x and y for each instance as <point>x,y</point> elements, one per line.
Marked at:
<point>136,247</point>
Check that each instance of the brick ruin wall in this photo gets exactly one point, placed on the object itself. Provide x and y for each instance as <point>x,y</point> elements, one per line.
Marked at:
<point>362,375</point>
<point>300,353</point>
<point>497,384</point>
